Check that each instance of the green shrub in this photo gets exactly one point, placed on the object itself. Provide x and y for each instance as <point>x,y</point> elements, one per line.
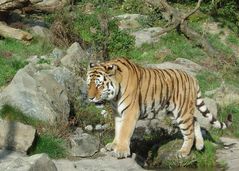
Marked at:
<point>89,115</point>
<point>53,146</point>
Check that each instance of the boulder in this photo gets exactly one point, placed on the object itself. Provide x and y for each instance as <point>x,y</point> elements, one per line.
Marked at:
<point>225,95</point>
<point>74,57</point>
<point>167,157</point>
<point>83,145</point>
<point>130,21</point>
<point>146,35</point>
<point>37,94</point>
<point>36,162</point>
<point>50,5</point>
<point>180,63</point>
<point>16,136</point>
<point>42,32</point>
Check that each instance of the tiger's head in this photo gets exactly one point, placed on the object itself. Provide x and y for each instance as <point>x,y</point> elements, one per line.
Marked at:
<point>102,81</point>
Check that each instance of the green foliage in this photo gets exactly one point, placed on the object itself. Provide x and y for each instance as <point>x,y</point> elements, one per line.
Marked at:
<point>135,6</point>
<point>53,146</point>
<point>8,68</point>
<point>89,115</point>
<point>208,80</point>
<point>234,110</point>
<point>13,114</point>
<point>215,42</point>
<point>180,47</point>
<point>206,159</point>
<point>233,39</point>
<point>224,11</point>
<point>20,50</point>
<point>13,54</point>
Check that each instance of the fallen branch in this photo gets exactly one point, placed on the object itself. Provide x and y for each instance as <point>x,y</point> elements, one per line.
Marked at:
<point>178,20</point>
<point>6,31</point>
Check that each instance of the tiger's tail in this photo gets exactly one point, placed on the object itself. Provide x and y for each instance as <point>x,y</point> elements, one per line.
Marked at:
<point>206,113</point>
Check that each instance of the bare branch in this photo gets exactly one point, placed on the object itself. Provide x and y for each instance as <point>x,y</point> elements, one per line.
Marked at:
<point>192,12</point>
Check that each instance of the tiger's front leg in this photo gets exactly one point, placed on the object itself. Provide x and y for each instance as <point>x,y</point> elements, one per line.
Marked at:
<point>125,126</point>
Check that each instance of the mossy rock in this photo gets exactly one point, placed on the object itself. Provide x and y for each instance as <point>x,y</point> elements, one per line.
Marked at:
<point>167,156</point>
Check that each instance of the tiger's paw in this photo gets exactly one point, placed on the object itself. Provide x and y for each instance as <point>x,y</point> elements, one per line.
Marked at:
<point>110,146</point>
<point>121,152</point>
<point>182,153</point>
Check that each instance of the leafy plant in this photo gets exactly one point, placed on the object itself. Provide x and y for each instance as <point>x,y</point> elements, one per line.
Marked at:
<point>53,146</point>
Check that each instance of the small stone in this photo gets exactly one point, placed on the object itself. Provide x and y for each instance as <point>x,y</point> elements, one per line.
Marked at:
<point>89,128</point>
<point>103,150</point>
<point>98,127</point>
<point>105,126</point>
<point>104,113</point>
<point>78,131</point>
<point>58,53</point>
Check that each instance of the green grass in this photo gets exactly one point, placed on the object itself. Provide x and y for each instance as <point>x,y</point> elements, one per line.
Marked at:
<point>8,68</point>
<point>216,43</point>
<point>13,54</point>
<point>20,50</point>
<point>232,38</point>
<point>206,159</point>
<point>54,147</point>
<point>13,114</point>
<point>234,110</point>
<point>208,80</point>
<point>89,115</point>
<point>176,45</point>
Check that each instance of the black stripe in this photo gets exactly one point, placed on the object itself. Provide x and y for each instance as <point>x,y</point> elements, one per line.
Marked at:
<point>124,109</point>
<point>124,99</point>
<point>185,129</point>
<point>205,113</point>
<point>200,105</point>
<point>161,85</point>
<point>213,120</point>
<point>179,114</point>
<point>184,121</point>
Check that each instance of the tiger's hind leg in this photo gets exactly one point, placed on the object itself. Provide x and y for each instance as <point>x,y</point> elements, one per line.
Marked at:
<point>186,125</point>
<point>199,142</point>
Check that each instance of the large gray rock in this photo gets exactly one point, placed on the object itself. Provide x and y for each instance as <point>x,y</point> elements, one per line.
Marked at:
<point>225,95</point>
<point>50,5</point>
<point>146,35</point>
<point>16,136</point>
<point>229,155</point>
<point>84,145</point>
<point>42,32</point>
<point>14,162</point>
<point>106,163</point>
<point>180,63</point>
<point>37,94</point>
<point>74,57</point>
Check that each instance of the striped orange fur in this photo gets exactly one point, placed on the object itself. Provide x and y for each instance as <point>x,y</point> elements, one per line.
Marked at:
<point>135,91</point>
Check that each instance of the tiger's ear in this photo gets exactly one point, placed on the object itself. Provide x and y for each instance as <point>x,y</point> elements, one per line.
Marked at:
<point>111,69</point>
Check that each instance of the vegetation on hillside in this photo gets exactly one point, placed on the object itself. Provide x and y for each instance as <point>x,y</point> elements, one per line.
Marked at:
<point>97,31</point>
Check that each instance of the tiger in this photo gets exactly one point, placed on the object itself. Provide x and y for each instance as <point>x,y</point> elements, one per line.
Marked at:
<point>134,91</point>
